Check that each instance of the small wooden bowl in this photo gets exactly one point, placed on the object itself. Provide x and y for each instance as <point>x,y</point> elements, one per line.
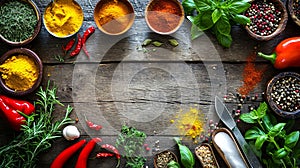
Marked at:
<point>292,13</point>
<point>282,24</point>
<point>273,105</point>
<point>116,26</point>
<point>36,30</point>
<point>198,155</point>
<point>38,63</point>
<point>156,23</point>
<point>161,153</point>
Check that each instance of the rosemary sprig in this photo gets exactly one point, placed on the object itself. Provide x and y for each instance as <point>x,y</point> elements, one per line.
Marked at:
<point>38,134</point>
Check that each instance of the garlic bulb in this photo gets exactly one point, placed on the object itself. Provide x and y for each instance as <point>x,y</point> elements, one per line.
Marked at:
<point>71,132</point>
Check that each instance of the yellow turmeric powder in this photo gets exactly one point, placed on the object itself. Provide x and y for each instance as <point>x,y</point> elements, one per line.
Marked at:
<point>63,17</point>
<point>191,123</point>
<point>19,72</point>
<point>113,16</point>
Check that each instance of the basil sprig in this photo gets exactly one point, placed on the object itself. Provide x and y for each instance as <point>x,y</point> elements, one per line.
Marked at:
<point>217,16</point>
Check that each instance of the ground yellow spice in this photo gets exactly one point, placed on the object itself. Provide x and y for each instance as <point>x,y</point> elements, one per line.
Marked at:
<point>19,72</point>
<point>191,123</point>
<point>63,18</point>
<point>113,16</point>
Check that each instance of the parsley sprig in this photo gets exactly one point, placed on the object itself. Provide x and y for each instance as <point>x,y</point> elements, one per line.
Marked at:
<point>38,134</point>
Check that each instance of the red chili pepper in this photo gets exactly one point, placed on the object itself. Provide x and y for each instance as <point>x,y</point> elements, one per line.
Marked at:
<point>113,149</point>
<point>286,54</point>
<point>84,154</point>
<point>11,111</point>
<point>69,45</point>
<point>104,155</point>
<point>92,125</point>
<point>78,46</point>
<point>85,36</point>
<point>66,154</point>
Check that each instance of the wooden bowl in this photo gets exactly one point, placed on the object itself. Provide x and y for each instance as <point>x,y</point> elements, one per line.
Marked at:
<point>274,102</point>
<point>36,30</point>
<point>202,160</point>
<point>38,63</point>
<point>281,26</point>
<point>166,152</point>
<point>113,25</point>
<point>292,12</point>
<point>156,20</point>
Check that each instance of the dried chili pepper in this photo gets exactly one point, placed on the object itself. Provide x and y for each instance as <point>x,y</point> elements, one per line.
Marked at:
<point>113,149</point>
<point>84,154</point>
<point>78,46</point>
<point>66,154</point>
<point>92,125</point>
<point>104,155</point>
<point>11,110</point>
<point>85,36</point>
<point>69,45</point>
<point>286,54</point>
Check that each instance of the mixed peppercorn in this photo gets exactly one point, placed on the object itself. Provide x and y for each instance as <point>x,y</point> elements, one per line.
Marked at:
<point>264,16</point>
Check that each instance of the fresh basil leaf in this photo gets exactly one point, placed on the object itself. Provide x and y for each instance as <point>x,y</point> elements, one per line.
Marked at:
<point>188,6</point>
<point>216,15</point>
<point>292,139</point>
<point>195,32</point>
<point>203,20</point>
<point>223,25</point>
<point>224,40</point>
<point>260,141</point>
<point>247,118</point>
<point>274,131</point>
<point>239,7</point>
<point>204,5</point>
<point>241,19</point>
<point>267,122</point>
<point>254,133</point>
<point>279,154</point>
<point>262,109</point>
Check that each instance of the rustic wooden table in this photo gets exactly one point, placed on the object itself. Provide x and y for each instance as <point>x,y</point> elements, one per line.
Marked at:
<point>143,87</point>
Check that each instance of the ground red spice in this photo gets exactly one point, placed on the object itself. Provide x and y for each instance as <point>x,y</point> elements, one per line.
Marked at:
<point>164,15</point>
<point>251,75</point>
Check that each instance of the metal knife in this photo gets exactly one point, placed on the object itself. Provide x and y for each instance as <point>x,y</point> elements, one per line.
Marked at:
<point>228,120</point>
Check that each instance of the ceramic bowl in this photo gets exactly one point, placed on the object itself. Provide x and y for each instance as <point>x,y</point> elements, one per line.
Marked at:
<point>65,34</point>
<point>281,25</point>
<point>113,25</point>
<point>292,11</point>
<point>165,153</point>
<point>36,30</point>
<point>280,106</point>
<point>38,63</point>
<point>157,21</point>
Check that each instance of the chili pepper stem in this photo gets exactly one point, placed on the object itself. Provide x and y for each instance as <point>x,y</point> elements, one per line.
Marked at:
<point>118,164</point>
<point>271,57</point>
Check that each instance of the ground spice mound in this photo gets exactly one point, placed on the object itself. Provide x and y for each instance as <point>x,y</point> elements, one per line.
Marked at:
<point>190,123</point>
<point>251,75</point>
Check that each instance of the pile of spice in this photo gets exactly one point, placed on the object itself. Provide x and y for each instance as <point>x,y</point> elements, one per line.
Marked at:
<point>251,76</point>
<point>206,156</point>
<point>286,93</point>
<point>190,124</point>
<point>163,158</point>
<point>63,17</point>
<point>19,72</point>
<point>113,16</point>
<point>164,15</point>
<point>18,20</point>
<point>296,8</point>
<point>264,16</point>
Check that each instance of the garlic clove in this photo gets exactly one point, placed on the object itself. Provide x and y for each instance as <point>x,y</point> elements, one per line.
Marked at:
<point>71,132</point>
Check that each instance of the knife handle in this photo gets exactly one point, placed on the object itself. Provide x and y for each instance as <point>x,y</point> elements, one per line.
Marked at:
<point>248,152</point>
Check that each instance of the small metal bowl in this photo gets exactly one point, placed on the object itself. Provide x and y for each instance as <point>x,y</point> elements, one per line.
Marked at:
<point>282,24</point>
<point>36,30</point>
<point>156,23</point>
<point>114,26</point>
<point>38,63</point>
<point>51,4</point>
<point>166,152</point>
<point>292,12</point>
<point>273,103</point>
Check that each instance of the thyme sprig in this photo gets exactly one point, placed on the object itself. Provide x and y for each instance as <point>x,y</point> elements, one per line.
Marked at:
<point>38,134</point>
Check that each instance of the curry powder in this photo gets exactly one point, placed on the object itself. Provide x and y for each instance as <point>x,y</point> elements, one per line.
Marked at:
<point>19,72</point>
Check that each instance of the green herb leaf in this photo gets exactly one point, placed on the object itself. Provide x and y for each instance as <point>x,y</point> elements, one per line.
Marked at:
<point>186,156</point>
<point>189,6</point>
<point>195,32</point>
<point>248,118</point>
<point>223,26</point>
<point>279,154</point>
<point>204,20</point>
<point>204,5</point>
<point>239,6</point>
<point>292,139</point>
<point>260,141</point>
<point>262,109</point>
<point>267,122</point>
<point>216,15</point>
<point>253,133</point>
<point>224,40</point>
<point>241,19</point>
<point>276,129</point>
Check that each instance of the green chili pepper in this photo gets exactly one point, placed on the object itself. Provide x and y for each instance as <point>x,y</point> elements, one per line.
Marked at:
<point>173,164</point>
<point>186,156</point>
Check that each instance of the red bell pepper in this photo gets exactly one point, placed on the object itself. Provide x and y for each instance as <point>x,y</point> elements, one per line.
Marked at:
<point>10,109</point>
<point>286,54</point>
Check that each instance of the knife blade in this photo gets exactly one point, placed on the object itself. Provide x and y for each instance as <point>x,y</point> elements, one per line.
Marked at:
<point>228,120</point>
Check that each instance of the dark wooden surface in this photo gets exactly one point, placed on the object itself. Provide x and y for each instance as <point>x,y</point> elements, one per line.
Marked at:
<point>120,83</point>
